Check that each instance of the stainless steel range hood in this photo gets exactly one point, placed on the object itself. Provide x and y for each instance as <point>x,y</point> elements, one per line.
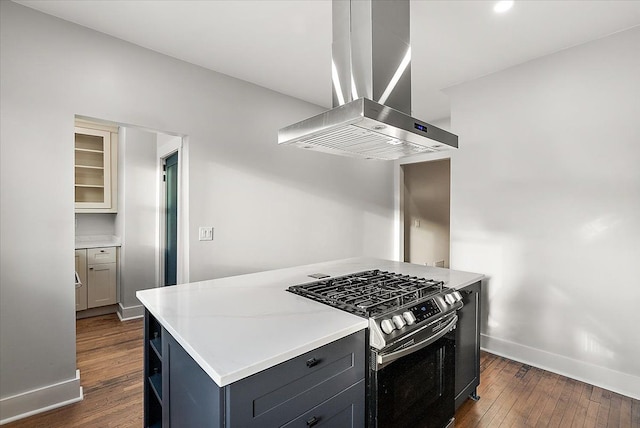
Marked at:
<point>371,60</point>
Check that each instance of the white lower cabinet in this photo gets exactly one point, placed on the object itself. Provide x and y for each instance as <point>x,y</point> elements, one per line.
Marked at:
<point>100,278</point>
<point>102,285</point>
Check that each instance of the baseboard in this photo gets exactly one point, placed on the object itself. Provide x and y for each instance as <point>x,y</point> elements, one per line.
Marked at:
<point>130,312</point>
<point>94,312</point>
<point>622,383</point>
<point>41,400</point>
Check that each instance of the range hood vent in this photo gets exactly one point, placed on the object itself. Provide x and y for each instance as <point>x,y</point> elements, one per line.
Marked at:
<point>371,60</point>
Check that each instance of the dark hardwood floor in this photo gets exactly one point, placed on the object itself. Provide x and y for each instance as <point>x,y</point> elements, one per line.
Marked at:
<point>512,394</point>
<point>110,362</point>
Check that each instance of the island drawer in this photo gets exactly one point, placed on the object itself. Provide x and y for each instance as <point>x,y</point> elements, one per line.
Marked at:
<point>282,393</point>
<point>345,410</point>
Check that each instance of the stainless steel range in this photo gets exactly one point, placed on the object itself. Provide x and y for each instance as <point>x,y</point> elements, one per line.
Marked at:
<point>411,378</point>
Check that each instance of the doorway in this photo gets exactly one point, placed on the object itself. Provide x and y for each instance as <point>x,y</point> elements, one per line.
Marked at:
<point>425,208</point>
<point>170,180</point>
<point>172,214</point>
<point>145,238</point>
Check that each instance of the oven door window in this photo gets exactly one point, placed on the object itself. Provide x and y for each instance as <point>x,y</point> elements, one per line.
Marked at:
<point>418,389</point>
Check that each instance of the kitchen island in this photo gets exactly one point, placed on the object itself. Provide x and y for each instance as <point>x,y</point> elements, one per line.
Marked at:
<point>242,351</point>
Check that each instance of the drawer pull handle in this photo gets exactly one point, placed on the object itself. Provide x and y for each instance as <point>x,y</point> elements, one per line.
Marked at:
<point>312,362</point>
<point>102,251</point>
<point>311,422</point>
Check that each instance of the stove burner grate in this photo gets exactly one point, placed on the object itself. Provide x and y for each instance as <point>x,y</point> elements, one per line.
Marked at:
<point>369,293</point>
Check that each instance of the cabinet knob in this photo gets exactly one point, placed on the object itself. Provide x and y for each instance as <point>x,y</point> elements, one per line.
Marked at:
<point>312,362</point>
<point>311,422</point>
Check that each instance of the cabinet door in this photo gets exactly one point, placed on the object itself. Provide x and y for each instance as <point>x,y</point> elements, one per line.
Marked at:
<point>102,285</point>
<point>81,269</point>
<point>92,168</point>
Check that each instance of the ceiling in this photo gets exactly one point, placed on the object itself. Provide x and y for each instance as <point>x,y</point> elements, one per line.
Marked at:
<point>285,45</point>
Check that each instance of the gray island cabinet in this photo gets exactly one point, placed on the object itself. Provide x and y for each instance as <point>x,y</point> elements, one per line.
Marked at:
<point>323,387</point>
<point>243,352</point>
<point>468,344</point>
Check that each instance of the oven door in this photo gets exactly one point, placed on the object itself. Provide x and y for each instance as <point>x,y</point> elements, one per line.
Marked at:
<point>416,389</point>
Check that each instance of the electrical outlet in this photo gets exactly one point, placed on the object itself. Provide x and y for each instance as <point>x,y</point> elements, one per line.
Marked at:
<point>205,233</point>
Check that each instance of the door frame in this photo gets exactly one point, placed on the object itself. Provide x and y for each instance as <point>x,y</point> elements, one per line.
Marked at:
<point>398,198</point>
<point>167,148</point>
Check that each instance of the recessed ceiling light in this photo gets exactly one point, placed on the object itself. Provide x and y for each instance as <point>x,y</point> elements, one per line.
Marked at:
<point>503,6</point>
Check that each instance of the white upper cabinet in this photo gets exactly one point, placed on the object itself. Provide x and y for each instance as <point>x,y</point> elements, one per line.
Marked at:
<point>95,168</point>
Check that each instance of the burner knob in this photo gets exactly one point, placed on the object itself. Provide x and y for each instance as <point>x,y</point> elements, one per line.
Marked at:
<point>399,321</point>
<point>450,299</point>
<point>457,295</point>
<point>409,317</point>
<point>387,326</point>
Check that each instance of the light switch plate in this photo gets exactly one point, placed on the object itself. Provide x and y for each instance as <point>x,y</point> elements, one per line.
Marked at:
<point>205,233</point>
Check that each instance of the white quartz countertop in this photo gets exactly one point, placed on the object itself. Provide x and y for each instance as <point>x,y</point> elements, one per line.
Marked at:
<point>97,241</point>
<point>238,326</point>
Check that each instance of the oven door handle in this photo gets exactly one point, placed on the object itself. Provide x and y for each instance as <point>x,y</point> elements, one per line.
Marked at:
<point>385,359</point>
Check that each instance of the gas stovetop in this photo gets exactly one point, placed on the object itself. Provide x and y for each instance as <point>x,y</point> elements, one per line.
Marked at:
<point>370,293</point>
<point>397,305</point>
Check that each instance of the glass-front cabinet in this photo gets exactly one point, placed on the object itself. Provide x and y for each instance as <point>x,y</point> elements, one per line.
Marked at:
<point>95,169</point>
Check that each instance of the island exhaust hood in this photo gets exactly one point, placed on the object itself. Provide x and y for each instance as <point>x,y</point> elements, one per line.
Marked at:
<point>371,60</point>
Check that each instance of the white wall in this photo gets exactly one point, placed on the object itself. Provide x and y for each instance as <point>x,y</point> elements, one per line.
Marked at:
<point>95,224</point>
<point>137,205</point>
<point>546,202</point>
<point>271,206</point>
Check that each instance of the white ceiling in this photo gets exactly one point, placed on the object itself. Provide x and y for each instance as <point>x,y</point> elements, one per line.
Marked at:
<point>285,45</point>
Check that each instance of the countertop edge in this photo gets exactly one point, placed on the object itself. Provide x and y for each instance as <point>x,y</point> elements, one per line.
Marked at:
<point>97,241</point>
<point>225,380</point>
<point>463,284</point>
<point>272,362</point>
